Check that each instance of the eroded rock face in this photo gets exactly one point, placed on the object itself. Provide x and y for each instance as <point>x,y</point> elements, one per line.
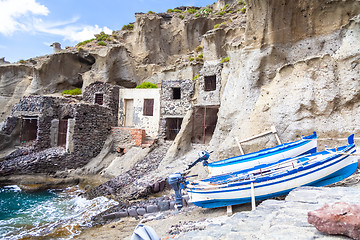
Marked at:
<point>282,22</point>
<point>44,75</point>
<point>296,82</point>
<point>339,218</point>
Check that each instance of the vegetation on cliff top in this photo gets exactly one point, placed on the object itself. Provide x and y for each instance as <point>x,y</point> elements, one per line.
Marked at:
<point>147,85</point>
<point>75,91</point>
<point>130,26</point>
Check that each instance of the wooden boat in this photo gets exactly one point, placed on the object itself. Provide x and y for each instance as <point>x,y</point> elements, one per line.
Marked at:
<point>275,179</point>
<point>306,145</point>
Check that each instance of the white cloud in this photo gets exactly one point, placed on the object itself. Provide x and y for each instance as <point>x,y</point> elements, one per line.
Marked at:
<point>70,32</point>
<point>24,15</point>
<point>14,14</point>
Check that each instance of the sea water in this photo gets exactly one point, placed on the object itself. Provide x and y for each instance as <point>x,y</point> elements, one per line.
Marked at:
<point>52,214</point>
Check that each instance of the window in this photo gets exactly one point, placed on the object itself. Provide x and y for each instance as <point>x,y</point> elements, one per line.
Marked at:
<point>210,83</point>
<point>99,98</point>
<point>176,93</point>
<point>148,107</point>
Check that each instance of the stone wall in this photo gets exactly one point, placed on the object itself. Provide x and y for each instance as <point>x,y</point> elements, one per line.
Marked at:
<point>176,107</point>
<point>87,129</point>
<point>46,109</point>
<point>91,128</point>
<point>110,97</point>
<point>206,98</point>
<point>127,137</point>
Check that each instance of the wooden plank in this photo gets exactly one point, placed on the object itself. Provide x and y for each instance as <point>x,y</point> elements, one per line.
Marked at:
<point>253,205</point>
<point>229,211</point>
<point>276,135</point>
<point>239,145</point>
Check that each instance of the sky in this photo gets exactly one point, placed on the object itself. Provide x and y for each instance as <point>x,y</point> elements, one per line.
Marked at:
<point>29,27</point>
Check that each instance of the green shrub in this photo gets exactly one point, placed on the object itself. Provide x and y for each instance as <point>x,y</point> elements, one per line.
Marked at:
<point>241,3</point>
<point>197,15</point>
<point>170,10</point>
<point>101,43</point>
<point>225,59</point>
<point>128,27</point>
<point>75,91</point>
<point>84,42</point>
<point>226,6</point>
<point>217,26</point>
<point>196,77</point>
<point>243,10</point>
<point>191,59</point>
<point>222,13</point>
<point>229,11</point>
<point>182,16</point>
<point>201,56</point>
<point>191,10</point>
<point>102,37</point>
<point>206,11</point>
<point>199,48</point>
<point>151,12</point>
<point>22,61</point>
<point>177,11</point>
<point>80,49</point>
<point>147,85</point>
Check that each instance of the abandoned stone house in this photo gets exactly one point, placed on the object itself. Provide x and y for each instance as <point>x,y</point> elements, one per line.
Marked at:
<point>134,117</point>
<point>206,106</point>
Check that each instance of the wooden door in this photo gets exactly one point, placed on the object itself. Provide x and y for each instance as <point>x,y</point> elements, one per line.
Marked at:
<point>129,112</point>
<point>63,124</point>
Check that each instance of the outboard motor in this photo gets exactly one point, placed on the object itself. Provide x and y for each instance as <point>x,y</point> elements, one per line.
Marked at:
<point>203,156</point>
<point>175,179</point>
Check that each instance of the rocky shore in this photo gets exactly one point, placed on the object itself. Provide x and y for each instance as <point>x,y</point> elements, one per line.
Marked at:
<point>272,219</point>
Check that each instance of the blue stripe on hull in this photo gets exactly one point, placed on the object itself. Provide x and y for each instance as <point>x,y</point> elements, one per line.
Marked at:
<point>264,153</point>
<point>332,178</point>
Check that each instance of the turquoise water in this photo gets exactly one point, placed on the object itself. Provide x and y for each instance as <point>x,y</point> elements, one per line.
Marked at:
<point>52,214</point>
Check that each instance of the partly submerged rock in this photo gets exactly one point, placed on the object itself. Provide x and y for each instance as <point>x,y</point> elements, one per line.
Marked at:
<point>339,218</point>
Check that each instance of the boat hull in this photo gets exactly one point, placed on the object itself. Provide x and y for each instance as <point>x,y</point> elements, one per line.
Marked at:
<point>329,172</point>
<point>305,146</point>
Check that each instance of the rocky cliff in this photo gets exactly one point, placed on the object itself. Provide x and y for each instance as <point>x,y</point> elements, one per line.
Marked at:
<point>292,64</point>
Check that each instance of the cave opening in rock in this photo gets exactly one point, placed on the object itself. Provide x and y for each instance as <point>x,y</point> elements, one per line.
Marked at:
<point>204,123</point>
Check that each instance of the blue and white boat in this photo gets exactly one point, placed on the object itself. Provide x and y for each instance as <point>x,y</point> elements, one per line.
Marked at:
<point>275,179</point>
<point>306,145</point>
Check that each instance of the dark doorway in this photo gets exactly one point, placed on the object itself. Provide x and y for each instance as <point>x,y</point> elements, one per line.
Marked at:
<point>204,123</point>
<point>210,83</point>
<point>173,126</point>
<point>63,125</point>
<point>176,93</point>
<point>99,98</point>
<point>29,129</point>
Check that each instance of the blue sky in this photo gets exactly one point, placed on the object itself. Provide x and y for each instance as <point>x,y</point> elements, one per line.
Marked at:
<point>28,27</point>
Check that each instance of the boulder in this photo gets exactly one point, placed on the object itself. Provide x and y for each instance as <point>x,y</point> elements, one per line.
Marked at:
<point>340,218</point>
